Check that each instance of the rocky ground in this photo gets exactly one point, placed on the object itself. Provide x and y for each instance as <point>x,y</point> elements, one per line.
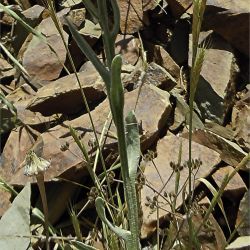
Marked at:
<point>48,100</point>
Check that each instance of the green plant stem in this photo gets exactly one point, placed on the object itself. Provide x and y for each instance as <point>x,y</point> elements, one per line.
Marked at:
<point>129,187</point>
<point>40,183</point>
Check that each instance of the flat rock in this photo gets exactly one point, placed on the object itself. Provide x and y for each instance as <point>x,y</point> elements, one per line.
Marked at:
<point>243,217</point>
<point>32,16</point>
<point>160,177</point>
<point>241,121</point>
<point>230,19</point>
<point>151,100</point>
<point>21,97</point>
<point>154,74</point>
<point>163,58</point>
<point>128,47</point>
<point>38,59</point>
<point>6,71</point>
<point>77,16</point>
<point>229,151</point>
<point>64,95</point>
<point>131,16</point>
<point>236,187</point>
<point>4,201</point>
<point>217,79</point>
<point>178,7</point>
<point>149,5</point>
<point>181,112</point>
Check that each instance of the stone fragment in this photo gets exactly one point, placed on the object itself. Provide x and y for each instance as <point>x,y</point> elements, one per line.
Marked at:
<point>151,99</point>
<point>128,47</point>
<point>40,62</point>
<point>229,151</point>
<point>243,217</point>
<point>71,3</point>
<point>240,243</point>
<point>22,93</point>
<point>149,5</point>
<point>154,74</point>
<point>131,16</point>
<point>230,19</point>
<point>6,71</point>
<point>91,30</point>
<point>64,94</point>
<point>241,121</point>
<point>161,179</point>
<point>21,97</point>
<point>77,16</point>
<point>181,113</point>
<point>162,57</point>
<point>178,7</point>
<point>4,201</point>
<point>32,16</point>
<point>236,186</point>
<point>217,79</point>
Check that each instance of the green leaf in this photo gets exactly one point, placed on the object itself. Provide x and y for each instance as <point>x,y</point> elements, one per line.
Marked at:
<point>133,144</point>
<point>82,246</point>
<point>88,51</point>
<point>100,208</point>
<point>116,91</point>
<point>15,223</point>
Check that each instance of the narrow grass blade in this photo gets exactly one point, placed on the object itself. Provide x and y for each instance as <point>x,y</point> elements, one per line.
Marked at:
<point>75,223</point>
<point>26,26</point>
<point>14,60</point>
<point>79,143</point>
<point>215,193</point>
<point>88,51</point>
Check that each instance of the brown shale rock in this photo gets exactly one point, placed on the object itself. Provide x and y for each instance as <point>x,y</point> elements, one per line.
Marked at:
<point>154,74</point>
<point>64,95</point>
<point>218,77</point>
<point>236,187</point>
<point>243,216</point>
<point>149,4</point>
<point>131,16</point>
<point>241,121</point>
<point>4,201</point>
<point>158,173</point>
<point>7,72</point>
<point>230,19</point>
<point>38,59</point>
<point>151,101</point>
<point>178,7</point>
<point>128,47</point>
<point>229,151</point>
<point>31,16</point>
<point>162,57</point>
<point>21,97</point>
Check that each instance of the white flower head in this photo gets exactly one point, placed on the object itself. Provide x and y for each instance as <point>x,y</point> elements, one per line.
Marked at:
<point>34,164</point>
